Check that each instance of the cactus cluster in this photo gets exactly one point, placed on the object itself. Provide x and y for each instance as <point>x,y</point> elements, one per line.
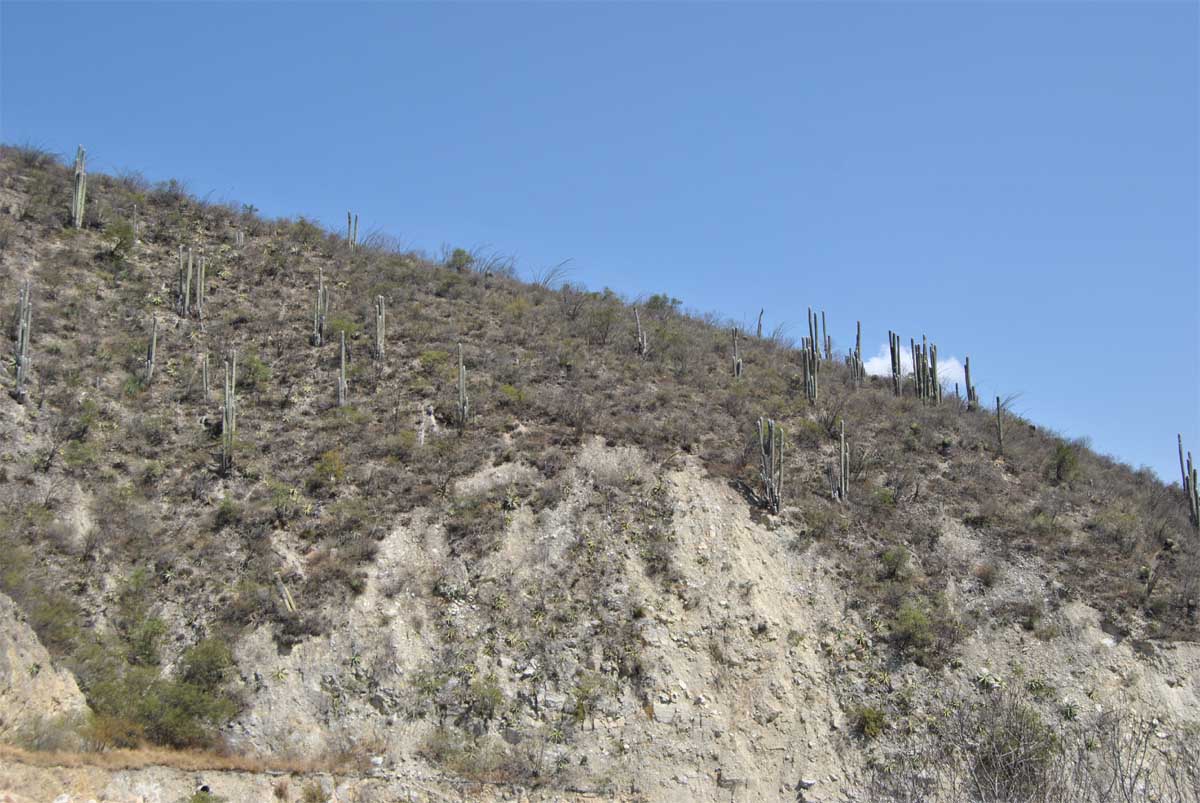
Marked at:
<point>21,354</point>
<point>320,310</point>
<point>1191,488</point>
<point>925,372</point>
<point>854,360</point>
<point>229,415</point>
<point>810,358</point>
<point>183,290</point>
<point>190,284</point>
<point>80,198</point>
<point>284,594</point>
<point>770,448</point>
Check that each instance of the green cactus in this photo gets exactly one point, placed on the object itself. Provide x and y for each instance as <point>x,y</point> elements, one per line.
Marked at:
<point>320,310</point>
<point>1191,488</point>
<point>770,447</point>
<point>150,351</point>
<point>21,355</point>
<point>464,402</point>
<point>342,387</point>
<point>737,358</point>
<point>80,198</point>
<point>380,326</point>
<point>229,414</point>
<point>972,395</point>
<point>1000,425</point>
<point>643,341</point>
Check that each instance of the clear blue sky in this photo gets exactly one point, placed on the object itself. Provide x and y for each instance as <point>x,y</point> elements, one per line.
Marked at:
<point>1019,181</point>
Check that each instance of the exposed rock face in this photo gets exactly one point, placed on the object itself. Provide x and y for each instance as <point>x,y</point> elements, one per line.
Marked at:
<point>32,689</point>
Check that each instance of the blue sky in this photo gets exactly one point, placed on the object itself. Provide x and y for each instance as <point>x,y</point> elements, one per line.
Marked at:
<point>1019,181</point>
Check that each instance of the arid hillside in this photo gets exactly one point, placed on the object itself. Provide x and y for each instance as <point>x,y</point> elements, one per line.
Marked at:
<point>385,526</point>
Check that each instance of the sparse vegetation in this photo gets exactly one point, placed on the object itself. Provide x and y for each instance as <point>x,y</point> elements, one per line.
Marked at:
<point>115,480</point>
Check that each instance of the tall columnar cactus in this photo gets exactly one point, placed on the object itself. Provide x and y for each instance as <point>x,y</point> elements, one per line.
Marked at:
<point>843,492</point>
<point>1000,425</point>
<point>770,448</point>
<point>204,381</point>
<point>80,198</point>
<point>229,416</point>
<point>464,402</point>
<point>200,269</point>
<point>1191,485</point>
<point>320,310</point>
<point>737,357</point>
<point>21,354</point>
<point>352,230</point>
<point>897,365</point>
<point>972,396</point>
<point>760,314</point>
<point>150,351</point>
<point>380,326</point>
<point>239,238</point>
<point>342,387</point>
<point>183,293</point>
<point>643,340</point>
<point>826,340</point>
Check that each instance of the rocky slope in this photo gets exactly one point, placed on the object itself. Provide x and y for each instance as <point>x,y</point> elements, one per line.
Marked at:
<point>576,596</point>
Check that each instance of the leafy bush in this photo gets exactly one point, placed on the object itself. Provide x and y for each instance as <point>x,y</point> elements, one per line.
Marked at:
<point>329,471</point>
<point>1064,465</point>
<point>252,374</point>
<point>868,722</point>
<point>893,563</point>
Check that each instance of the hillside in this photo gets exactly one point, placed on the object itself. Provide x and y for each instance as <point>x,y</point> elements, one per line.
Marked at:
<point>576,591</point>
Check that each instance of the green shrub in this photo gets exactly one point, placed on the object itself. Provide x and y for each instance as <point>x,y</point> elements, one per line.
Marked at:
<point>893,563</point>
<point>329,471</point>
<point>434,362</point>
<point>252,373</point>
<point>460,260</point>
<point>1064,466</point>
<point>342,323</point>
<point>229,513</point>
<point>135,703</point>
<point>512,396</point>
<point>868,721</point>
<point>911,628</point>
<point>122,239</point>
